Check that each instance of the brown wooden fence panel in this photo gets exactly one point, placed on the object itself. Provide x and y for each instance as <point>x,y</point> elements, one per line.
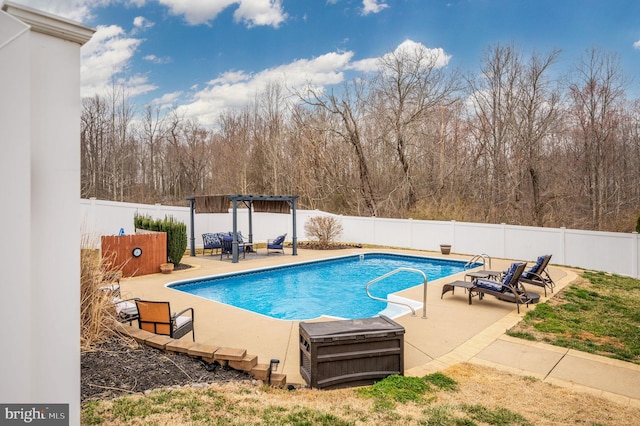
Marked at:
<point>119,252</point>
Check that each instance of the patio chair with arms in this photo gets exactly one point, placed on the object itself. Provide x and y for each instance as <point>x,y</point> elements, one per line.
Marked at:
<point>227,246</point>
<point>276,245</point>
<point>156,317</point>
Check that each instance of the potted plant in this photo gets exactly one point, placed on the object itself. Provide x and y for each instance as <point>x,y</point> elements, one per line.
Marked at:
<point>445,248</point>
<point>166,268</point>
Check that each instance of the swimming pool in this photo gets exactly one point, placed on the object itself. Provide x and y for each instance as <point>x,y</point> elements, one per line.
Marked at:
<point>331,287</point>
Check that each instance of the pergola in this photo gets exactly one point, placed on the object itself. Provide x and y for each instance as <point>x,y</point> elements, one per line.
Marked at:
<point>259,203</point>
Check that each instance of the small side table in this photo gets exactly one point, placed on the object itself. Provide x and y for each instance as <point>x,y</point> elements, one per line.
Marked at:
<point>482,274</point>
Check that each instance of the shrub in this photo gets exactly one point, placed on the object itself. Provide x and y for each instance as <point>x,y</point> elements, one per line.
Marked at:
<point>638,224</point>
<point>324,229</point>
<point>176,239</point>
<point>176,234</point>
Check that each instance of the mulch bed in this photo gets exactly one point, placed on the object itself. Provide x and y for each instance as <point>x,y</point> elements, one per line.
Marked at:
<point>120,367</point>
<point>181,267</point>
<point>313,245</point>
<point>117,368</point>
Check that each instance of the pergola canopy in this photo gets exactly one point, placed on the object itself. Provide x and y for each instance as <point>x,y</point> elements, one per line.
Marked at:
<point>259,203</point>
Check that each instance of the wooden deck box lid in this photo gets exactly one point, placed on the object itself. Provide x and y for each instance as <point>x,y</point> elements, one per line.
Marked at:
<point>350,329</point>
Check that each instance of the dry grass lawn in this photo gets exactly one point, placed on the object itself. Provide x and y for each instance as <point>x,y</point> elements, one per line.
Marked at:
<point>483,396</point>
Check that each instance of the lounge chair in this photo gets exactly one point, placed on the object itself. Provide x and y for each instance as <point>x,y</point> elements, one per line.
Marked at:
<point>126,309</point>
<point>509,289</point>
<point>111,283</point>
<point>538,275</point>
<point>156,317</point>
<point>276,245</point>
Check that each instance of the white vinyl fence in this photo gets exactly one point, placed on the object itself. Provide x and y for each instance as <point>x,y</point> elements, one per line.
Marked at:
<point>613,252</point>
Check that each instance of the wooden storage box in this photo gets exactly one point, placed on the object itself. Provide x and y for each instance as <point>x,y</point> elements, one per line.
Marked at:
<point>338,354</point>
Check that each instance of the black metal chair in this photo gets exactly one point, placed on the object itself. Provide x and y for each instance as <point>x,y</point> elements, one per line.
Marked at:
<point>227,247</point>
<point>156,317</point>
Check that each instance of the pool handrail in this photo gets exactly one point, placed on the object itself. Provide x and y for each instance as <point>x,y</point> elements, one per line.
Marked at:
<point>477,257</point>
<point>395,271</point>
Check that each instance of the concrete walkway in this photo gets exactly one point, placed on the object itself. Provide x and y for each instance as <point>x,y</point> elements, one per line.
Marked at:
<point>452,331</point>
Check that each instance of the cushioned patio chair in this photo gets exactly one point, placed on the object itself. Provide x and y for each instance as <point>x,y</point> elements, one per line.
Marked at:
<point>156,317</point>
<point>538,275</point>
<point>276,245</point>
<point>509,289</point>
<point>227,246</point>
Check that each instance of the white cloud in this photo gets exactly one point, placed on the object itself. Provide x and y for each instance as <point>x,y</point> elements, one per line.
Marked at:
<point>235,89</point>
<point>434,56</point>
<point>373,6</point>
<point>250,12</point>
<point>142,23</point>
<point>637,44</point>
<point>105,58</point>
<point>260,12</point>
<point>168,100</point>
<point>365,65</point>
<point>230,77</point>
<point>136,85</point>
<point>157,60</point>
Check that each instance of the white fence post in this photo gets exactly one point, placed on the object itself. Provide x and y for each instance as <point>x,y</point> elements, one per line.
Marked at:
<point>634,254</point>
<point>503,240</point>
<point>563,245</point>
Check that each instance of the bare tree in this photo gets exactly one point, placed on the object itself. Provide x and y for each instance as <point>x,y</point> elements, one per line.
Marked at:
<point>536,120</point>
<point>351,111</point>
<point>233,152</point>
<point>596,94</point>
<point>93,136</point>
<point>151,134</point>
<point>411,83</point>
<point>195,158</point>
<point>121,153</point>
<point>494,99</point>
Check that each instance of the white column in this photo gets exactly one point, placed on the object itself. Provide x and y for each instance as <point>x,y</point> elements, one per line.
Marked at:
<point>53,117</point>
<point>15,251</point>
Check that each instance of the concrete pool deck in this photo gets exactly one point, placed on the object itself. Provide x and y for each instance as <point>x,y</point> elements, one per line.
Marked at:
<point>453,331</point>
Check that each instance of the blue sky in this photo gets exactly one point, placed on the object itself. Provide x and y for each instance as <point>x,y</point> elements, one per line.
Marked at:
<point>203,56</point>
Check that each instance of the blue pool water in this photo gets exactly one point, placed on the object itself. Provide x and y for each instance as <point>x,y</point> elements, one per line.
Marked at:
<point>333,287</point>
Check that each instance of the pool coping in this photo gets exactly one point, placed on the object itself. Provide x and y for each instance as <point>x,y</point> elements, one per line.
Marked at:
<point>452,331</point>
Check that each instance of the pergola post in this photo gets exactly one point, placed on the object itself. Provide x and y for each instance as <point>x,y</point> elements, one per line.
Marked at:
<point>192,205</point>
<point>250,207</point>
<point>294,237</point>
<point>234,244</point>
